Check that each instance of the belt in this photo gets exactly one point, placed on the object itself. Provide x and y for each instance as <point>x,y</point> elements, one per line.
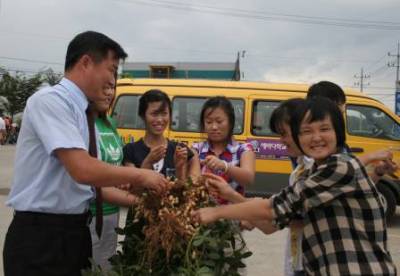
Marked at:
<point>37,218</point>
<point>299,273</point>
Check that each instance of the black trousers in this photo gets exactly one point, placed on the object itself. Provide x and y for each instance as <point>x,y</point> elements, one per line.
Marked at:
<point>47,244</point>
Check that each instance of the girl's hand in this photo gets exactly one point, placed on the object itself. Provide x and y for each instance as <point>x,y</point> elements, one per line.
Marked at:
<point>180,156</point>
<point>246,225</point>
<point>218,186</point>
<point>205,215</point>
<point>181,161</point>
<point>124,187</point>
<point>376,156</point>
<point>381,155</point>
<point>385,167</point>
<point>214,163</point>
<point>156,154</point>
<point>297,223</point>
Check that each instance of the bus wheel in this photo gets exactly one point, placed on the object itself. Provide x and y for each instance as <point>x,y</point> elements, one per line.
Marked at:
<point>390,199</point>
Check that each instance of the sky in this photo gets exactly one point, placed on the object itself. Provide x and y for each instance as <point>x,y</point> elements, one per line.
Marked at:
<point>302,41</point>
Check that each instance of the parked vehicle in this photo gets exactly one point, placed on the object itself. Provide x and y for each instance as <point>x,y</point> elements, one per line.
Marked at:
<point>370,125</point>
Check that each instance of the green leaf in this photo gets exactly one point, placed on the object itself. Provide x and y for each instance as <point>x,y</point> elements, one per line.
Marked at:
<point>240,264</point>
<point>246,254</point>
<point>198,241</point>
<point>213,243</point>
<point>119,231</point>
<point>204,271</point>
<point>209,263</point>
<point>214,256</point>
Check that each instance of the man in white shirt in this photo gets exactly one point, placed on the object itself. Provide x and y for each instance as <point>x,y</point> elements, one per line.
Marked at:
<point>56,175</point>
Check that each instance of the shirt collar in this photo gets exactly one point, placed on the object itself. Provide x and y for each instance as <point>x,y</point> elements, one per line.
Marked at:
<point>232,147</point>
<point>76,93</point>
<point>305,161</point>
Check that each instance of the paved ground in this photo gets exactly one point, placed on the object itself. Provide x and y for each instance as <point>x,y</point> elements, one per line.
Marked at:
<point>267,250</point>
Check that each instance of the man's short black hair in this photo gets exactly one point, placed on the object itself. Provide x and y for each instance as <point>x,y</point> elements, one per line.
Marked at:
<point>319,108</point>
<point>95,44</point>
<point>283,114</point>
<point>328,90</point>
<point>151,96</point>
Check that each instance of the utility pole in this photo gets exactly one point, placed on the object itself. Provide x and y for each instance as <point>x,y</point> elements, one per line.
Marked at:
<point>362,77</point>
<point>243,53</point>
<point>237,73</point>
<point>397,65</point>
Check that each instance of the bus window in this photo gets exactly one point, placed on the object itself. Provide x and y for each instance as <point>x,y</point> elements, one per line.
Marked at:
<point>262,111</point>
<point>371,122</point>
<point>186,114</point>
<point>125,112</point>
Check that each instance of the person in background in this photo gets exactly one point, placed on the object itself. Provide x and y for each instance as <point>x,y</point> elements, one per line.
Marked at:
<point>13,137</point>
<point>280,121</point>
<point>329,90</point>
<point>56,175</point>
<point>109,148</point>
<point>2,130</point>
<point>336,196</point>
<point>8,122</point>
<point>220,153</point>
<point>335,93</point>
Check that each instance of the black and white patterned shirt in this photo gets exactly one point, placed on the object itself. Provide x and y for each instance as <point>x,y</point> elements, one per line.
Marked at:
<point>344,224</point>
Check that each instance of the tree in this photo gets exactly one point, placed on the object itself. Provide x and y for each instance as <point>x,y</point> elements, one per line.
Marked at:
<point>17,89</point>
<point>51,77</point>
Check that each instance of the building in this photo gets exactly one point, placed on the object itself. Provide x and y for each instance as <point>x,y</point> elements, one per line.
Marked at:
<point>183,70</point>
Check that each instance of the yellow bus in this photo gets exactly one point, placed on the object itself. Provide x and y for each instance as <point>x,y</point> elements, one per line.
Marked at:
<point>370,124</point>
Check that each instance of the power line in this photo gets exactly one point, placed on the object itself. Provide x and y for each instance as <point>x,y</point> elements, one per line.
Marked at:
<point>31,60</point>
<point>385,74</point>
<point>208,52</point>
<point>377,61</point>
<point>381,87</point>
<point>339,60</point>
<point>380,94</point>
<point>275,14</point>
<point>265,16</point>
<point>381,69</point>
<point>28,71</point>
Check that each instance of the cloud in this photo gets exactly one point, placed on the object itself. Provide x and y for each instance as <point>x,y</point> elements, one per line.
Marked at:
<point>277,49</point>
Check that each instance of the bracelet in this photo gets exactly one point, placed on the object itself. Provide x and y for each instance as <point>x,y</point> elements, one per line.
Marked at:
<point>226,166</point>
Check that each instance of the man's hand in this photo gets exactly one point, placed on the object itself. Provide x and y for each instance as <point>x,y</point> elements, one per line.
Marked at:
<point>148,179</point>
